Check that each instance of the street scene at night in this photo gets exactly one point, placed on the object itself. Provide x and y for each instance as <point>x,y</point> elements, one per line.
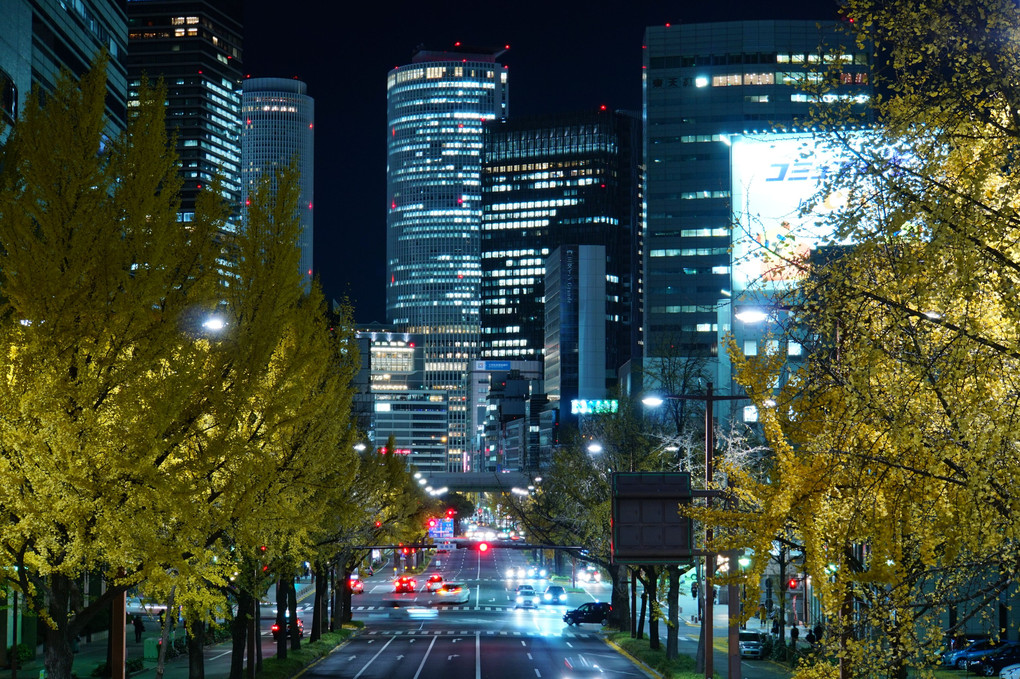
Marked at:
<point>550,340</point>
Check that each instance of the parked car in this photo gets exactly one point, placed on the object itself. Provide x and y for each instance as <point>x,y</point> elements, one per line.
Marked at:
<point>593,611</point>
<point>275,629</point>
<point>1010,672</point>
<point>554,594</point>
<point>988,665</point>
<point>959,659</point>
<point>752,645</point>
<point>452,593</point>
<point>525,597</point>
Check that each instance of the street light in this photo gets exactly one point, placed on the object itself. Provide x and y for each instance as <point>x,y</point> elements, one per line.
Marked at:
<point>707,632</point>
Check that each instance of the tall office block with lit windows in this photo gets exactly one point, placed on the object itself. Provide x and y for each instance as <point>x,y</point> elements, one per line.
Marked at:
<point>38,38</point>
<point>436,107</point>
<point>703,82</point>
<point>195,47</point>
<point>278,127</point>
<point>548,182</point>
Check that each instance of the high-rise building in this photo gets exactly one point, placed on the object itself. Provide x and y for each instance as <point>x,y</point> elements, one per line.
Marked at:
<point>551,181</point>
<point>565,181</point>
<point>391,400</point>
<point>278,127</point>
<point>436,108</point>
<point>195,47</point>
<point>38,38</point>
<point>703,82</point>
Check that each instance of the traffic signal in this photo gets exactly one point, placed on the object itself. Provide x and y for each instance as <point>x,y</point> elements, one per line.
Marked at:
<point>483,546</point>
<point>433,523</point>
<point>450,512</point>
<point>794,583</point>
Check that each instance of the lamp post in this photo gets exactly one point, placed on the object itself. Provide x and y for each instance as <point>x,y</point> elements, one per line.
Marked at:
<point>707,633</point>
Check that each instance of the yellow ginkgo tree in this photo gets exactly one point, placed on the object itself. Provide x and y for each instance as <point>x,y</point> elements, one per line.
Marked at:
<point>895,449</point>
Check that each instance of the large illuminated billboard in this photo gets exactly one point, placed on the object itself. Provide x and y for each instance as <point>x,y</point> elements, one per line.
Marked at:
<point>775,177</point>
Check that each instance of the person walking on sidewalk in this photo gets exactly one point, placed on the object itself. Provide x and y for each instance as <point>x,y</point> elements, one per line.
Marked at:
<point>139,628</point>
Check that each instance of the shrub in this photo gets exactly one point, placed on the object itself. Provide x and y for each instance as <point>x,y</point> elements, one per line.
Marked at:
<point>22,653</point>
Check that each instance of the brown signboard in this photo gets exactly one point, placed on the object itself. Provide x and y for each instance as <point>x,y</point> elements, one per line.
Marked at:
<point>646,524</point>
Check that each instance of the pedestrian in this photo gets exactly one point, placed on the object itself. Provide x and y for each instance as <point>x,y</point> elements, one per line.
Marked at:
<point>139,628</point>
<point>810,638</point>
<point>819,631</point>
<point>694,590</point>
<point>794,633</point>
<point>775,627</point>
<point>762,614</point>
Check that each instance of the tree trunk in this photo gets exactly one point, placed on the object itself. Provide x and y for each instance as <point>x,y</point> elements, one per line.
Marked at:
<point>644,610</point>
<point>295,640</point>
<point>253,630</point>
<point>335,621</point>
<point>239,634</point>
<point>59,653</point>
<point>652,587</point>
<point>673,613</point>
<point>620,600</point>
<point>318,603</point>
<point>196,645</point>
<point>281,620</point>
<point>164,632</point>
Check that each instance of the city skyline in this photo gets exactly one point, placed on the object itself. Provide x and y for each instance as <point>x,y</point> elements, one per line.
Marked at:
<point>562,58</point>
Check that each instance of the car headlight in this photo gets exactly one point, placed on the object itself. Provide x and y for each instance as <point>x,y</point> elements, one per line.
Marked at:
<point>548,597</point>
<point>520,599</point>
<point>541,573</point>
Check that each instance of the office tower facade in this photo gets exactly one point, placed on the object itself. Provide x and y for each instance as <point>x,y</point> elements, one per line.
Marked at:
<point>278,124</point>
<point>38,38</point>
<point>390,398</point>
<point>436,108</point>
<point>195,47</point>
<point>702,83</point>
<point>551,181</point>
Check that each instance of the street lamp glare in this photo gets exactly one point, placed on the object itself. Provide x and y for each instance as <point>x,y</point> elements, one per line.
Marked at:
<point>214,323</point>
<point>751,316</point>
<point>652,401</point>
<point>594,447</point>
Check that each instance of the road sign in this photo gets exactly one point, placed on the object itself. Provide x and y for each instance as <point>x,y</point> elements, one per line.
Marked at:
<point>646,522</point>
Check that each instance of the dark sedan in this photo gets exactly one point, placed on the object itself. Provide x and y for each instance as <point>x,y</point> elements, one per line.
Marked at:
<point>988,665</point>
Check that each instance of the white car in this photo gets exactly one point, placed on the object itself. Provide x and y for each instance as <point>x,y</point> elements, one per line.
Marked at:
<point>452,593</point>
<point>525,597</point>
<point>1010,672</point>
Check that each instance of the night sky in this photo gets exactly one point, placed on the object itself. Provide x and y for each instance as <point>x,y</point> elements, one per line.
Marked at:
<point>563,56</point>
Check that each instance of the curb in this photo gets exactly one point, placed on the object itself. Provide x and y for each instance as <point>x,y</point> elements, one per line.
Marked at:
<point>648,670</point>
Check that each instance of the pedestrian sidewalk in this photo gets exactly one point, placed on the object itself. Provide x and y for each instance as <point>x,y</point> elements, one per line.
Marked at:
<point>92,654</point>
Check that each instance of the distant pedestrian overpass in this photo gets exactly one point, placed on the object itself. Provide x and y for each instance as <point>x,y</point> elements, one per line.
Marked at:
<point>478,482</point>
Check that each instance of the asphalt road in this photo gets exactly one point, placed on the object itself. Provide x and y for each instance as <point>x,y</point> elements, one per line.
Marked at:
<point>486,638</point>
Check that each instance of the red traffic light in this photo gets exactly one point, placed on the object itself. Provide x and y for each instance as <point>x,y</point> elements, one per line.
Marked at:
<point>433,523</point>
<point>450,512</point>
<point>792,584</point>
<point>483,546</point>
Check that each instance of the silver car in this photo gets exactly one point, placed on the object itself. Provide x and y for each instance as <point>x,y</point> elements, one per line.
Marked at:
<point>525,597</point>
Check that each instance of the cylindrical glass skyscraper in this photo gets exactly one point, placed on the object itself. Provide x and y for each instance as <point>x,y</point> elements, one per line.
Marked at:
<point>436,107</point>
<point>278,125</point>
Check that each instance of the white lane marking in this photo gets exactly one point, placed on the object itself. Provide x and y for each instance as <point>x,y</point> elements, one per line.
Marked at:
<point>373,658</point>
<point>478,656</point>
